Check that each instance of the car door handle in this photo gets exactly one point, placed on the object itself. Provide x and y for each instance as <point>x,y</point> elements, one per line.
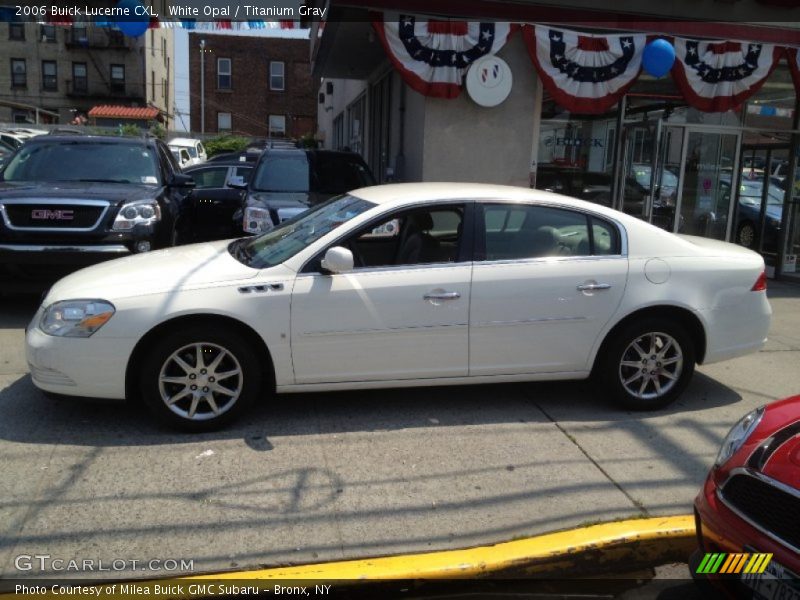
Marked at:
<point>590,287</point>
<point>442,296</point>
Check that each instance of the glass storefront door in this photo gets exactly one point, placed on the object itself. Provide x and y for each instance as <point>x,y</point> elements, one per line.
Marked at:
<point>708,168</point>
<point>652,158</point>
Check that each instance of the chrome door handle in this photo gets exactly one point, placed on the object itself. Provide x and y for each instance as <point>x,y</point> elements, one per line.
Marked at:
<point>442,296</point>
<point>590,287</point>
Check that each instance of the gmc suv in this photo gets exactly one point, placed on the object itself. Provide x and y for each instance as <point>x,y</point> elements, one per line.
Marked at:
<point>71,201</point>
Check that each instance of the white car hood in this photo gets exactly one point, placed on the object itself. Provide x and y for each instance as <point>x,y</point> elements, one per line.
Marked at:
<point>193,266</point>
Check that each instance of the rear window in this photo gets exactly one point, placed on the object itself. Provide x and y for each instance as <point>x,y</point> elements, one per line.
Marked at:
<point>340,174</point>
<point>282,174</point>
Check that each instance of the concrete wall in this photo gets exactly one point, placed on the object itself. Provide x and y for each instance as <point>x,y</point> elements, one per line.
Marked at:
<point>466,142</point>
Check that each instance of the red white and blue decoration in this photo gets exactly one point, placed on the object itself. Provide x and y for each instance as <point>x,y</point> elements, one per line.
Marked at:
<point>585,73</point>
<point>720,76</point>
<point>658,57</point>
<point>432,56</point>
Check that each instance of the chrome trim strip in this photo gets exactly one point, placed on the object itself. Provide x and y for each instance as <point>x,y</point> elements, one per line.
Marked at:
<point>528,321</point>
<point>384,330</point>
<point>100,249</point>
<point>768,481</point>
<point>105,204</point>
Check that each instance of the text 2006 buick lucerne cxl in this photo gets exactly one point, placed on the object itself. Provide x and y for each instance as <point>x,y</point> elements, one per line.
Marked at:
<point>403,285</point>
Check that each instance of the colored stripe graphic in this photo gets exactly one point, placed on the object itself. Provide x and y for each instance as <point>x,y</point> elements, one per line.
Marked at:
<point>724,563</point>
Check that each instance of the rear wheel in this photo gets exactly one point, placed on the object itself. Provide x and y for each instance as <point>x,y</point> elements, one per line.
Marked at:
<point>746,235</point>
<point>200,378</point>
<point>648,364</point>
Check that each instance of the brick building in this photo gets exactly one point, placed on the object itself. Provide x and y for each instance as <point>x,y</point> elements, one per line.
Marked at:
<point>253,85</point>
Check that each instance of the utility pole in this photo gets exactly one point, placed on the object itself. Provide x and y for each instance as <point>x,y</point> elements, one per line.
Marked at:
<point>202,86</point>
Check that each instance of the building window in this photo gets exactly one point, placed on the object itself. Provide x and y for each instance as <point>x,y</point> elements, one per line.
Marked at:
<point>164,50</point>
<point>79,33</point>
<point>16,31</point>
<point>48,33</point>
<point>224,121</point>
<point>355,124</point>
<point>80,83</point>
<point>338,132</point>
<point>118,79</point>
<point>224,79</point>
<point>19,73</point>
<point>153,86</point>
<point>277,80</point>
<point>277,125</point>
<point>49,75</point>
<point>164,89</point>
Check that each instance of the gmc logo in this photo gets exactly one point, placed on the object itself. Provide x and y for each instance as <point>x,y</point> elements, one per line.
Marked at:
<point>52,215</point>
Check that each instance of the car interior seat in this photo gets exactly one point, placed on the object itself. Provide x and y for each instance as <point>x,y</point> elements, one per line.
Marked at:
<point>417,245</point>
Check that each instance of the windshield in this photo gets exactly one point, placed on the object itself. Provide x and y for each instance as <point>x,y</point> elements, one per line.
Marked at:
<point>752,189</point>
<point>642,174</point>
<point>83,161</point>
<point>287,173</point>
<point>286,240</point>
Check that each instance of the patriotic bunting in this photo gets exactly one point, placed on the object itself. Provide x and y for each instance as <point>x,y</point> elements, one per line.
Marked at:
<point>584,73</point>
<point>719,76</point>
<point>432,56</point>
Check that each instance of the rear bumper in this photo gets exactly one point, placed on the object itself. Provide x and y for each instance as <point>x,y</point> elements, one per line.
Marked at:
<point>737,329</point>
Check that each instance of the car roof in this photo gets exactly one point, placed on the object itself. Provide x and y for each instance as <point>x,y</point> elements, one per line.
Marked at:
<point>45,139</point>
<point>220,163</point>
<point>402,193</point>
<point>183,142</point>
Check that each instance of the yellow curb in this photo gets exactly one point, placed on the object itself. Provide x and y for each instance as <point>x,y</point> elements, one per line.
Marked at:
<point>606,548</point>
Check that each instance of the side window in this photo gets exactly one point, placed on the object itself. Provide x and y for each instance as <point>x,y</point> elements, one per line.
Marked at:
<point>244,173</point>
<point>210,178</point>
<point>605,237</point>
<point>411,237</point>
<point>168,163</point>
<point>514,231</point>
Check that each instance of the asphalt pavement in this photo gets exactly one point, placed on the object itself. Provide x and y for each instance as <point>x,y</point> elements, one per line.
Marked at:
<point>318,477</point>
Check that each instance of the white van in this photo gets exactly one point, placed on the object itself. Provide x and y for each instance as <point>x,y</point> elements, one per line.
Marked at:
<point>194,146</point>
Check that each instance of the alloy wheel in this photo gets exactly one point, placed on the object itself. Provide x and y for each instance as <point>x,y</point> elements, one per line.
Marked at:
<point>651,365</point>
<point>200,381</point>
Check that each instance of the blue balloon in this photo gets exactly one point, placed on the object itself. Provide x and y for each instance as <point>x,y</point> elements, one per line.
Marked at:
<point>137,21</point>
<point>658,57</point>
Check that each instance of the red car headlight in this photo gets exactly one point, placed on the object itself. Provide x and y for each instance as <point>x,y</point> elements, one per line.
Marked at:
<point>738,435</point>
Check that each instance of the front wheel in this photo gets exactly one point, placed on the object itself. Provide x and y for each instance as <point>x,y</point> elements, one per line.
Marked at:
<point>200,378</point>
<point>648,364</point>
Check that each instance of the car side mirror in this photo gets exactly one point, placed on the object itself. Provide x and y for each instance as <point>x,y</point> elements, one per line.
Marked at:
<point>237,182</point>
<point>181,180</point>
<point>337,260</point>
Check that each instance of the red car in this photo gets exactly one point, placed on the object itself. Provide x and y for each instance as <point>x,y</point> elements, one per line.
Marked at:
<point>750,504</point>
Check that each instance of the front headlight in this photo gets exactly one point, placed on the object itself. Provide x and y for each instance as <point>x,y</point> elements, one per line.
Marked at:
<point>738,435</point>
<point>76,318</point>
<point>137,213</point>
<point>256,220</point>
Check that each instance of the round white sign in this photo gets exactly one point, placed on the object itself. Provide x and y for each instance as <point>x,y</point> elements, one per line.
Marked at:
<point>489,81</point>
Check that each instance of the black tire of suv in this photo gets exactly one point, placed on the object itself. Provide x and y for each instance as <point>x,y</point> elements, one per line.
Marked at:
<point>610,369</point>
<point>215,337</point>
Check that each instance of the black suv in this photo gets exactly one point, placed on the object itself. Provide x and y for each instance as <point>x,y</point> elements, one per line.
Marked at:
<point>71,201</point>
<point>285,183</point>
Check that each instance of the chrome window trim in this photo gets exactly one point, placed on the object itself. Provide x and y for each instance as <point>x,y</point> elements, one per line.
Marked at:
<point>768,481</point>
<point>105,204</point>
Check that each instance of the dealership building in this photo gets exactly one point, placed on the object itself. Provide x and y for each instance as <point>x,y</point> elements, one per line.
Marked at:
<point>572,98</point>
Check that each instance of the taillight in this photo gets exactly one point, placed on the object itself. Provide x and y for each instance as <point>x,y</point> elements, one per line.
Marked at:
<point>761,283</point>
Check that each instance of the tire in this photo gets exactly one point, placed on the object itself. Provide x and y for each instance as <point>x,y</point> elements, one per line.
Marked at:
<point>746,235</point>
<point>171,369</point>
<point>625,355</point>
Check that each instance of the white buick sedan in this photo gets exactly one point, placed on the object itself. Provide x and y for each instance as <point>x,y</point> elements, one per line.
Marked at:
<point>403,285</point>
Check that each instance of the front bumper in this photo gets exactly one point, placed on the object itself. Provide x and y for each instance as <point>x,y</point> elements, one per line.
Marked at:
<point>92,367</point>
<point>719,529</point>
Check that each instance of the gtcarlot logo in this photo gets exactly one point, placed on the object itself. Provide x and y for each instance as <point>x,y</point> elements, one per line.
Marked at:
<point>47,562</point>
